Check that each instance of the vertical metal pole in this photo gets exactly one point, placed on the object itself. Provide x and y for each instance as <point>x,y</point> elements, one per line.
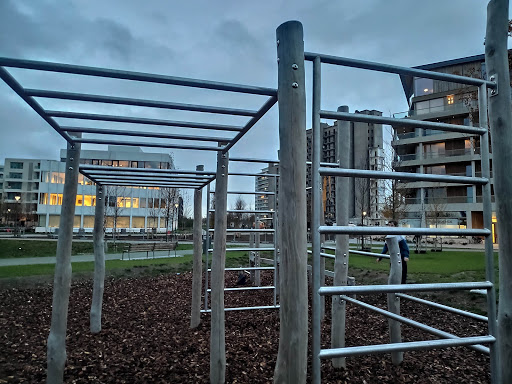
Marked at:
<point>487,213</point>
<point>207,247</point>
<point>195,316</point>
<point>217,335</point>
<point>257,257</point>
<point>395,277</point>
<point>500,117</point>
<point>276,244</point>
<point>252,255</point>
<point>342,241</point>
<point>56,348</point>
<point>99,260</point>
<point>291,366</point>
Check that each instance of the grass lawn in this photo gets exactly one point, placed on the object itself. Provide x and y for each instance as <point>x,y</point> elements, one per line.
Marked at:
<point>39,248</point>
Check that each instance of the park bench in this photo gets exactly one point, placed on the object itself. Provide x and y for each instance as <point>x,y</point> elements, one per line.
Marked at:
<point>149,247</point>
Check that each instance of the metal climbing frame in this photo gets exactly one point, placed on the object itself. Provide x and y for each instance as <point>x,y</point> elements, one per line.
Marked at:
<point>318,171</point>
<point>257,231</point>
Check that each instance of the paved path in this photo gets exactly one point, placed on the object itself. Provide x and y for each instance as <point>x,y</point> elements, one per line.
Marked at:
<point>88,257</point>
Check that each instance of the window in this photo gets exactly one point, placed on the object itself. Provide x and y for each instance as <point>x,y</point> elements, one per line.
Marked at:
<point>16,165</point>
<point>423,86</point>
<point>14,185</point>
<point>89,201</point>
<point>450,99</point>
<point>15,175</point>
<point>43,198</point>
<point>79,200</point>
<point>57,177</point>
<point>56,199</point>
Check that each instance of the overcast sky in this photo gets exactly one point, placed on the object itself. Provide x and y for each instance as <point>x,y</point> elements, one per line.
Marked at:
<point>227,41</point>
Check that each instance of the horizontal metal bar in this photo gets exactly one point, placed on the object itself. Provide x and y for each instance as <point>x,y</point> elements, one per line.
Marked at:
<point>248,269</point>
<point>138,102</point>
<point>261,112</point>
<point>119,132</point>
<point>142,120</point>
<point>176,182</point>
<point>363,289</point>
<point>267,261</point>
<point>247,288</point>
<point>87,167</point>
<point>244,211</point>
<point>372,254</point>
<point>261,249</point>
<point>412,323</point>
<point>152,145</point>
<point>443,307</point>
<point>326,255</point>
<point>401,122</point>
<point>127,184</point>
<point>322,164</point>
<point>364,230</point>
<point>249,193</point>
<point>253,160</point>
<point>245,230</point>
<point>244,308</point>
<point>161,176</point>
<point>407,346</point>
<point>135,76</point>
<point>365,173</point>
<point>252,174</point>
<point>16,87</point>
<point>379,67</point>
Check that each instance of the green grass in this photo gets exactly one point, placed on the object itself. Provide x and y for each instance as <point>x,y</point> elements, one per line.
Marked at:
<point>120,267</point>
<point>38,248</point>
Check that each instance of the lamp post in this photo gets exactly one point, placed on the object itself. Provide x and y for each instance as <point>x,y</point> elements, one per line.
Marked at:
<point>176,205</point>
<point>362,224</point>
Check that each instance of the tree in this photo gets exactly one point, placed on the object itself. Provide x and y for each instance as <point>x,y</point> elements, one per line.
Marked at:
<point>169,198</point>
<point>115,198</point>
<point>362,187</point>
<point>435,210</point>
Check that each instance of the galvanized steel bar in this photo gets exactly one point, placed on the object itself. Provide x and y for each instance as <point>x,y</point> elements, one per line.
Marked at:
<point>137,102</point>
<point>247,308</point>
<point>195,314</point>
<point>207,247</point>
<point>87,167</point>
<point>446,308</point>
<point>246,250</point>
<point>359,117</point>
<point>395,278</point>
<point>408,346</point>
<point>247,211</point>
<point>16,87</point>
<point>371,254</point>
<point>276,244</point>
<point>142,120</point>
<point>251,174</point>
<point>248,230</point>
<point>135,76</point>
<point>412,323</point>
<point>249,288</point>
<point>151,145</point>
<point>247,268</point>
<point>365,173</point>
<point>261,112</point>
<point>316,212</point>
<point>487,216</point>
<point>379,67</point>
<point>250,193</point>
<point>327,291</point>
<point>159,135</point>
<point>404,231</point>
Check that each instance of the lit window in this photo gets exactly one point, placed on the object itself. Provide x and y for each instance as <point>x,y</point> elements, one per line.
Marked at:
<point>450,99</point>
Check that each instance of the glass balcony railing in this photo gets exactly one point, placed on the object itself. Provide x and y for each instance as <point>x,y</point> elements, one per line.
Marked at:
<point>443,108</point>
<point>451,152</point>
<point>445,200</point>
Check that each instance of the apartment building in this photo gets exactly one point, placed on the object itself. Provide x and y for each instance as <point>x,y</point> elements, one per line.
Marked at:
<point>366,152</point>
<point>436,152</point>
<point>19,185</point>
<point>269,185</point>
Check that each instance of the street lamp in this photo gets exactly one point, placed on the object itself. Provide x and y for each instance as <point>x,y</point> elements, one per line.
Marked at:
<point>17,198</point>
<point>176,205</point>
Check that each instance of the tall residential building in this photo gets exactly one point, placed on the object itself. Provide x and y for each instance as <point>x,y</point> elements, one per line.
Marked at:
<point>366,196</point>
<point>269,185</point>
<point>438,152</point>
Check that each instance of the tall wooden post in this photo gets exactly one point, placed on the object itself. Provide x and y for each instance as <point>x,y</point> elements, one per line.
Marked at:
<point>291,366</point>
<point>99,260</point>
<point>342,241</point>
<point>395,277</point>
<point>195,316</point>
<point>500,118</point>
<point>217,336</point>
<point>56,347</point>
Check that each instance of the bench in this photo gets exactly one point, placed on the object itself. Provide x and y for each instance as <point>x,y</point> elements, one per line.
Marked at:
<point>149,247</point>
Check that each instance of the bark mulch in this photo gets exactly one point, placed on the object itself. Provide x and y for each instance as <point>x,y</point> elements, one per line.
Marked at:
<point>146,338</point>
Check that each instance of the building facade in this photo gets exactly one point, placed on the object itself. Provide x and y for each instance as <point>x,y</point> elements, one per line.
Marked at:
<point>366,152</point>
<point>437,152</point>
<point>36,187</point>
<point>269,186</point>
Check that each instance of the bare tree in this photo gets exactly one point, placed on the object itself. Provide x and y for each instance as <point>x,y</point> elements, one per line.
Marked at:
<point>115,198</point>
<point>169,199</point>
<point>435,211</point>
<point>362,188</point>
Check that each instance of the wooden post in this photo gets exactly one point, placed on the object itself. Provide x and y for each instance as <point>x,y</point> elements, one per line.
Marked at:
<point>195,316</point>
<point>217,333</point>
<point>252,256</point>
<point>342,241</point>
<point>99,260</point>
<point>56,347</point>
<point>395,277</point>
<point>291,366</point>
<point>497,67</point>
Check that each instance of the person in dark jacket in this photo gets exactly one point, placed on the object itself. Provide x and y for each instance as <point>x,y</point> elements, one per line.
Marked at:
<point>404,251</point>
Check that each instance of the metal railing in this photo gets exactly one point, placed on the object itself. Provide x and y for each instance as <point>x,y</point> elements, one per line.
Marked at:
<point>318,228</point>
